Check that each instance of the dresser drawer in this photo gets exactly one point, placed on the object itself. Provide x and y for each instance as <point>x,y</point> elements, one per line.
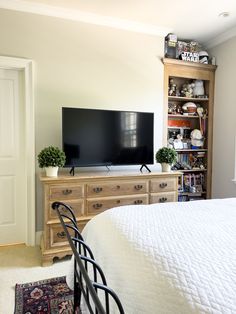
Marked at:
<point>163,197</point>
<point>163,185</point>
<point>76,205</point>
<point>117,188</point>
<point>96,206</point>
<point>65,192</point>
<point>57,235</point>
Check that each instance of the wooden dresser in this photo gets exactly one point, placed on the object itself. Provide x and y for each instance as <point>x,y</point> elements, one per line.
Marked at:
<point>91,193</point>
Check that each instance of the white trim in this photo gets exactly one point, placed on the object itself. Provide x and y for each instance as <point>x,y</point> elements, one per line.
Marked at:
<point>86,17</point>
<point>221,38</point>
<point>27,66</point>
<point>38,237</point>
<point>234,180</point>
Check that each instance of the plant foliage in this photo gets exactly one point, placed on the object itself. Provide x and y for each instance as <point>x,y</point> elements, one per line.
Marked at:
<point>167,155</point>
<point>51,157</point>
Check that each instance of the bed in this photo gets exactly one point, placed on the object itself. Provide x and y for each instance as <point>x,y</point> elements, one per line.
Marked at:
<point>168,258</point>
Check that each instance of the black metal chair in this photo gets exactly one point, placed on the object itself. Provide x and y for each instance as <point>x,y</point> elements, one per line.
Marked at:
<point>89,279</point>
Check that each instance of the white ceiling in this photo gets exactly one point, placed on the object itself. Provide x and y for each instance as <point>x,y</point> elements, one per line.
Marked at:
<point>198,20</point>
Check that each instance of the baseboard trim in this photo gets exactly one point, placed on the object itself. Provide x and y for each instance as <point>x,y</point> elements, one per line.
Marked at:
<point>12,244</point>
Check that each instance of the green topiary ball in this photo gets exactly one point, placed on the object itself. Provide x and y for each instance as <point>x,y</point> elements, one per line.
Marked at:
<point>51,157</point>
<point>166,155</point>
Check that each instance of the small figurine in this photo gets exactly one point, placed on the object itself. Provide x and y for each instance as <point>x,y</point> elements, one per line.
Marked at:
<point>171,108</point>
<point>172,87</point>
<point>178,144</point>
<point>179,109</point>
<point>187,90</point>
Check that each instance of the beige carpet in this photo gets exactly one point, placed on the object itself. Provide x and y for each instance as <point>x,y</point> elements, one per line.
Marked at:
<point>21,264</point>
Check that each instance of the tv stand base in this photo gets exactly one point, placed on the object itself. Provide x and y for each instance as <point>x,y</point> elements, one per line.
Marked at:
<point>72,171</point>
<point>145,166</point>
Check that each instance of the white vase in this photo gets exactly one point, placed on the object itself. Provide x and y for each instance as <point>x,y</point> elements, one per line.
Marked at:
<point>165,167</point>
<point>51,171</point>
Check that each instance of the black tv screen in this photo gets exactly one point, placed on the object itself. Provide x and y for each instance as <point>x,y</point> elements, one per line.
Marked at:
<point>93,137</point>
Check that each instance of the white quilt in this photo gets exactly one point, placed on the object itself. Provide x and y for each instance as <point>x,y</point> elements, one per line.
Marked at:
<point>177,258</point>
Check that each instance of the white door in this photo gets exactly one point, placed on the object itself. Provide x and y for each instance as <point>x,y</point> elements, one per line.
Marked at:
<point>13,175</point>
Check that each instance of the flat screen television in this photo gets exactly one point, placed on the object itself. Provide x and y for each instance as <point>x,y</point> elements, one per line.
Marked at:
<point>94,137</point>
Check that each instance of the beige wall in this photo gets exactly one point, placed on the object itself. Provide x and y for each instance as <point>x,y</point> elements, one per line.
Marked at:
<point>224,120</point>
<point>84,65</point>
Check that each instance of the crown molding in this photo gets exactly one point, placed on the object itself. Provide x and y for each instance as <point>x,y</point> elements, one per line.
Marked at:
<point>221,38</point>
<point>81,16</point>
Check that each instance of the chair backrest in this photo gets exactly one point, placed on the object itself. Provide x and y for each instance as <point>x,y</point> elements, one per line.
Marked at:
<point>89,279</point>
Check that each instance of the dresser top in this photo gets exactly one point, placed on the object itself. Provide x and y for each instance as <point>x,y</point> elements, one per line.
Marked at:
<point>116,174</point>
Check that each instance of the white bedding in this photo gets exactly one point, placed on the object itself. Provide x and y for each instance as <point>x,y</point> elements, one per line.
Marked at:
<point>177,258</point>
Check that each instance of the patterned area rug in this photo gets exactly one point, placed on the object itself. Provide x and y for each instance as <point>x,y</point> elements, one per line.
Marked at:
<point>45,296</point>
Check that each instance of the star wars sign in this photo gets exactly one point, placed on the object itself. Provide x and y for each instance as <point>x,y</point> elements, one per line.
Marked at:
<point>190,56</point>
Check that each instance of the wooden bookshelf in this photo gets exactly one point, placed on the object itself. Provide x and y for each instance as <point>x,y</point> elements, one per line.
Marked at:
<point>182,72</point>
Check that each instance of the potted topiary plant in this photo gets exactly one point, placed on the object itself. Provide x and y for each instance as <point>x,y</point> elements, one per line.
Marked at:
<point>51,158</point>
<point>166,156</point>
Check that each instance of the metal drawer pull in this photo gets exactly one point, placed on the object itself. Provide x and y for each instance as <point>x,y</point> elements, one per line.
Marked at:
<point>138,202</point>
<point>138,187</point>
<point>67,192</point>
<point>97,190</point>
<point>163,199</point>
<point>163,185</point>
<point>61,234</point>
<point>118,201</point>
<point>97,205</point>
<point>118,187</point>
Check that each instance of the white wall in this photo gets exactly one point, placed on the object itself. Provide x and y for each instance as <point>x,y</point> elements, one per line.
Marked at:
<point>224,120</point>
<point>84,65</point>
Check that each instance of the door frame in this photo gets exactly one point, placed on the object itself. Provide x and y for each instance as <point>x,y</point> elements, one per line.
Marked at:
<point>26,65</point>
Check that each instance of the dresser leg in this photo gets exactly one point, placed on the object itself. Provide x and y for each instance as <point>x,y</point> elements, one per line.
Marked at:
<point>47,260</point>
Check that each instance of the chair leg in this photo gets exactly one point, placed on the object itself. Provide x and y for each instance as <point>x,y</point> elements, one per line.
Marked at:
<point>77,298</point>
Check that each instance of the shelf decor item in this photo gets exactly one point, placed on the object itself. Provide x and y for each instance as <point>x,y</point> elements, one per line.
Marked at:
<point>198,89</point>
<point>51,158</point>
<point>189,108</point>
<point>197,139</point>
<point>166,156</point>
